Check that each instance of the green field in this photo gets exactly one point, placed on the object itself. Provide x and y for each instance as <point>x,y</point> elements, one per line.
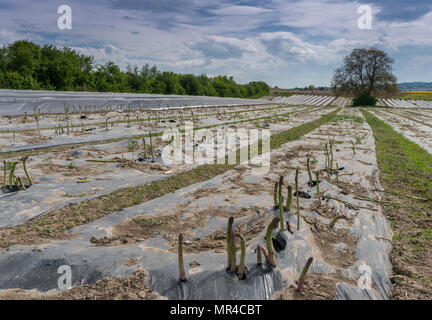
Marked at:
<point>417,95</point>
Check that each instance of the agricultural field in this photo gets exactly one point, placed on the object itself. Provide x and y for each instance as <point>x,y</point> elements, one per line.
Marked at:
<point>417,95</point>
<point>300,204</point>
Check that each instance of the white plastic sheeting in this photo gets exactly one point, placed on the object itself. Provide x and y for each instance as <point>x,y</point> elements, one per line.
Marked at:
<point>402,103</point>
<point>323,101</point>
<point>300,99</point>
<point>15,102</point>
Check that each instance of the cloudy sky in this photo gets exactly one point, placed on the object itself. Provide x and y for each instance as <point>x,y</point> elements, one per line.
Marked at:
<point>286,43</point>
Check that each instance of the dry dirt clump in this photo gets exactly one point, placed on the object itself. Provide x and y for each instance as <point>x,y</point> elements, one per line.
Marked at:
<point>141,228</point>
<point>316,287</point>
<point>133,287</point>
<point>35,140</point>
<point>293,153</point>
<point>204,192</point>
<point>324,210</point>
<point>253,189</point>
<point>354,190</point>
<point>81,153</point>
<point>328,241</point>
<point>250,188</point>
<point>141,166</point>
<point>31,134</point>
<point>131,262</point>
<point>69,170</point>
<point>144,227</point>
<point>194,264</point>
<point>80,133</point>
<point>216,240</point>
<point>225,213</point>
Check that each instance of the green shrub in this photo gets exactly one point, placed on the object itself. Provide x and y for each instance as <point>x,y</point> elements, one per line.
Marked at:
<point>364,100</point>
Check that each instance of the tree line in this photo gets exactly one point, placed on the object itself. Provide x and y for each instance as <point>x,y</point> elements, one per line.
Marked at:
<point>26,65</point>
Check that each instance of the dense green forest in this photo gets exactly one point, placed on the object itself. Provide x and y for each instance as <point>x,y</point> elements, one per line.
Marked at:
<point>26,65</point>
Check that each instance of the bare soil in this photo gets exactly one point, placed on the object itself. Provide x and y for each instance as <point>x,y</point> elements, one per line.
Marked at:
<point>327,239</point>
<point>316,287</point>
<point>168,226</point>
<point>133,287</point>
<point>70,170</point>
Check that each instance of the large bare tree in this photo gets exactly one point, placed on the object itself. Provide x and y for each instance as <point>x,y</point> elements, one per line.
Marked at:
<point>365,72</point>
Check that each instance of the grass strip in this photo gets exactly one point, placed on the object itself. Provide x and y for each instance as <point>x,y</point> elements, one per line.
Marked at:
<point>55,224</point>
<point>407,167</point>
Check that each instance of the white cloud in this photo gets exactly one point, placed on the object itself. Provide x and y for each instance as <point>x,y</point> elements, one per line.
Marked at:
<point>302,39</point>
<point>240,11</point>
<point>7,36</point>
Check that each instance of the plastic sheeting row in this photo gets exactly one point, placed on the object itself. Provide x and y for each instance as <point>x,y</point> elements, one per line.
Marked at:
<point>17,102</point>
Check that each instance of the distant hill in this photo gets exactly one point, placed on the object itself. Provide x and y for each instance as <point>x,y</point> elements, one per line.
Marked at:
<point>416,86</point>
